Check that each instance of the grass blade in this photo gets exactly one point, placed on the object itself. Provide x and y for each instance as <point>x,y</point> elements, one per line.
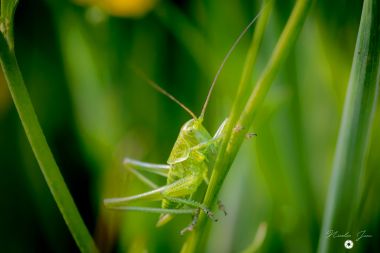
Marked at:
<point>233,139</point>
<point>354,135</point>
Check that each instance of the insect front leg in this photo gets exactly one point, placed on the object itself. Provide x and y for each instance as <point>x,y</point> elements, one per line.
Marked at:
<point>221,207</point>
<point>220,132</point>
<point>213,142</point>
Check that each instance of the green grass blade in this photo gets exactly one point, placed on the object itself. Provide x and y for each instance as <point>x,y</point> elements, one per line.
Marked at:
<point>354,135</point>
<point>233,139</point>
<point>40,147</point>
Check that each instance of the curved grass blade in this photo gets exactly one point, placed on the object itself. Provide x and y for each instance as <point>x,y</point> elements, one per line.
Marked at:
<point>35,135</point>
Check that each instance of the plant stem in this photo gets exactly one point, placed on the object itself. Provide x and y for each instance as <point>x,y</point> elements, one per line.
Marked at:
<point>351,153</point>
<point>234,138</point>
<point>41,149</point>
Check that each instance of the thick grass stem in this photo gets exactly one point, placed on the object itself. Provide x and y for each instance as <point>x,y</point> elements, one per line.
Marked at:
<point>233,139</point>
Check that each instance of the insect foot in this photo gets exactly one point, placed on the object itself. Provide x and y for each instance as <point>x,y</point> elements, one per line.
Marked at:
<point>222,208</point>
<point>250,135</point>
<point>210,214</point>
<point>192,224</point>
<point>188,228</point>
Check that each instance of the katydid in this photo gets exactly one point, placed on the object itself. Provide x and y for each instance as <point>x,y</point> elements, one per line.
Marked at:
<point>192,157</point>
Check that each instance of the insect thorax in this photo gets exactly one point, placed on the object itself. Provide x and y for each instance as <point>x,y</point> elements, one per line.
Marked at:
<point>188,158</point>
<point>191,135</point>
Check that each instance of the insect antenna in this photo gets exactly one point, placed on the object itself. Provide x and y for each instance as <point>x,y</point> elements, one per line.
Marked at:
<point>225,60</point>
<point>162,91</point>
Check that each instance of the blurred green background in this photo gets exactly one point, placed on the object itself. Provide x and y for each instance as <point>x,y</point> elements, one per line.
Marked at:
<point>76,59</point>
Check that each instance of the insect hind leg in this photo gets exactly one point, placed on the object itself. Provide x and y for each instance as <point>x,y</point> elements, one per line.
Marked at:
<point>143,178</point>
<point>159,169</point>
<point>135,167</point>
<point>193,223</point>
<point>154,210</point>
<point>177,189</point>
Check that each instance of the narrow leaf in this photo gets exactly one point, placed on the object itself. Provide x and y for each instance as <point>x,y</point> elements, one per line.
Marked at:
<point>354,135</point>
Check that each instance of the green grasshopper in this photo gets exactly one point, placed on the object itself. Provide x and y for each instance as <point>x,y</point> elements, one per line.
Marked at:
<point>192,157</point>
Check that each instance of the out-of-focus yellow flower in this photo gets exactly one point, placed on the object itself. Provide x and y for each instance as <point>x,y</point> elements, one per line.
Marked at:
<point>121,8</point>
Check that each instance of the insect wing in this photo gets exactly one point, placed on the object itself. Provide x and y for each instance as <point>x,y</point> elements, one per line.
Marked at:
<point>180,151</point>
